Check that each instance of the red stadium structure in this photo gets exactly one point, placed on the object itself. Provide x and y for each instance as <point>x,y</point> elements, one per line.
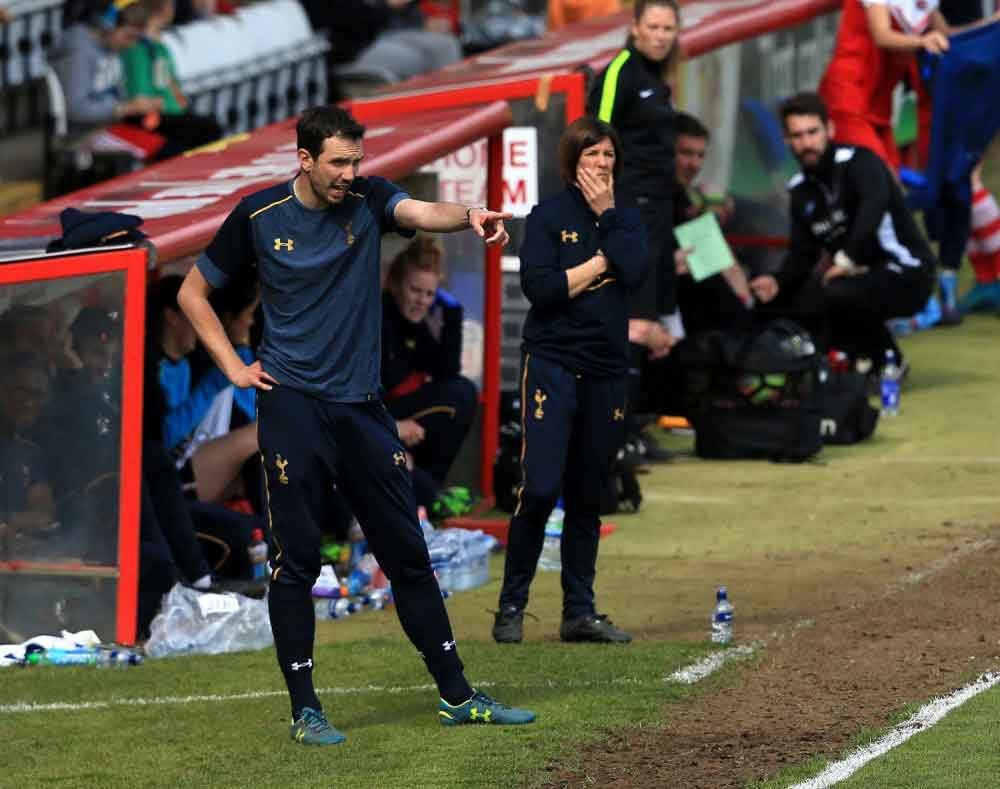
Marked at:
<point>74,272</point>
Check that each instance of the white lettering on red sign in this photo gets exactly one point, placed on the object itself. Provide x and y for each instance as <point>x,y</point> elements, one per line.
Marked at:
<point>462,173</point>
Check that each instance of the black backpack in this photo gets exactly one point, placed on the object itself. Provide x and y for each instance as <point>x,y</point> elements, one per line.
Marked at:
<point>753,395</point>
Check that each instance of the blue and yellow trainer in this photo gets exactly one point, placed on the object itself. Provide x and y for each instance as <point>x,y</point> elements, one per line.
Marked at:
<point>482,709</point>
<point>312,728</point>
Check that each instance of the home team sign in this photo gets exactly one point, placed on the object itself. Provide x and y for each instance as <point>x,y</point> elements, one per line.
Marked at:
<point>462,173</point>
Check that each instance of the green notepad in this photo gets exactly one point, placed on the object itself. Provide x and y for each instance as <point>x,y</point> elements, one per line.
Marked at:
<point>711,252</point>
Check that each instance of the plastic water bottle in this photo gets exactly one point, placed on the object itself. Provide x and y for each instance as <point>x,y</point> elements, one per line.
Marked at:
<point>551,558</point>
<point>722,618</point>
<point>82,656</point>
<point>335,608</point>
<point>257,552</point>
<point>890,380</point>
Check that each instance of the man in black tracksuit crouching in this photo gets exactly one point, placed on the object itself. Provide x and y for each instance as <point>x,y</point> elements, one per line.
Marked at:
<point>582,253</point>
<point>856,256</point>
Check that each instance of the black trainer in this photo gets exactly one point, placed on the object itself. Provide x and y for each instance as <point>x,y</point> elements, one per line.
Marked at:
<point>592,627</point>
<point>508,625</point>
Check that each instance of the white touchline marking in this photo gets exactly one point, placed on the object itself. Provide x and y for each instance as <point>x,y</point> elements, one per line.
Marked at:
<point>936,566</point>
<point>691,674</point>
<point>696,672</point>
<point>928,715</point>
<point>27,706</point>
<point>686,676</point>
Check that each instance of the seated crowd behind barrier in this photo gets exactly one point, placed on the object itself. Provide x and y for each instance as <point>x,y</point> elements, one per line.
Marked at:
<point>231,73</point>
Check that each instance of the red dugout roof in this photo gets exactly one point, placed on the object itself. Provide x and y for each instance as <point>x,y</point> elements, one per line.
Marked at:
<point>184,200</point>
<point>707,25</point>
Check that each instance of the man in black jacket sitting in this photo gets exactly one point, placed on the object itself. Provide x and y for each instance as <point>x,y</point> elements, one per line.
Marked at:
<point>856,256</point>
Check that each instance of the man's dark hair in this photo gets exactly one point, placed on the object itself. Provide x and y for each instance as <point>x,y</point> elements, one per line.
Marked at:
<point>804,104</point>
<point>689,126</point>
<point>581,134</point>
<point>317,124</point>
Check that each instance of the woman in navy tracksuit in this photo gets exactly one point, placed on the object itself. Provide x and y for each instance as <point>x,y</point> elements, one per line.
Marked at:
<point>581,255</point>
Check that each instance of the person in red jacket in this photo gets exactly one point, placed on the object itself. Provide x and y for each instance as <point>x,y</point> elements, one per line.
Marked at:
<point>875,48</point>
<point>874,51</point>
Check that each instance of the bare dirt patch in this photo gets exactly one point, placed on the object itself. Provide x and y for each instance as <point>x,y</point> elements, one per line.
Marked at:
<point>816,685</point>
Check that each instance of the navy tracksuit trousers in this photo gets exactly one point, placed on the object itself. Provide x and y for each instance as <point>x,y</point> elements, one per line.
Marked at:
<point>306,446</point>
<point>572,426</point>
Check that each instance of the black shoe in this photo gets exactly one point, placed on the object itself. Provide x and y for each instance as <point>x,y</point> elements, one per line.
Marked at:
<point>592,627</point>
<point>508,625</point>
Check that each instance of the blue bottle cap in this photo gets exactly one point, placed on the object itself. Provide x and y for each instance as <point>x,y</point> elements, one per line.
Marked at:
<point>722,594</point>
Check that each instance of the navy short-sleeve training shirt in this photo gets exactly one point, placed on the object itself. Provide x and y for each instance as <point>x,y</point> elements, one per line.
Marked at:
<point>320,290</point>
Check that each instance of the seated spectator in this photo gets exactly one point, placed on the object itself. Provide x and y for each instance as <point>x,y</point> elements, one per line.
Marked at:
<point>90,70</point>
<point>87,63</point>
<point>237,305</point>
<point>179,540</point>
<point>27,505</point>
<point>433,405</point>
<point>31,329</point>
<point>202,545</point>
<point>721,301</point>
<point>150,71</point>
<point>83,420</point>
<point>568,12</point>
<point>390,37</point>
<point>186,415</point>
<point>856,256</point>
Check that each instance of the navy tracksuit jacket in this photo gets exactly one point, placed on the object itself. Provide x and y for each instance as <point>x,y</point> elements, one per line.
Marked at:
<point>575,358</point>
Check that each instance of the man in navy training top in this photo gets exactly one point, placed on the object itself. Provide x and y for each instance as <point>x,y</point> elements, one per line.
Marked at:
<point>316,244</point>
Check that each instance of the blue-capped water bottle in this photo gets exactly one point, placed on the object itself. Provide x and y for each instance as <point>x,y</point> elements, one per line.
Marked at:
<point>890,380</point>
<point>722,618</point>
<point>551,556</point>
<point>101,657</point>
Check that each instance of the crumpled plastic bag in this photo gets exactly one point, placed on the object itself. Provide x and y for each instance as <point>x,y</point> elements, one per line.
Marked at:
<point>192,622</point>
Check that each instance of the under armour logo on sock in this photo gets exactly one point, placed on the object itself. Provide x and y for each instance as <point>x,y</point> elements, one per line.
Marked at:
<point>304,664</point>
<point>448,646</point>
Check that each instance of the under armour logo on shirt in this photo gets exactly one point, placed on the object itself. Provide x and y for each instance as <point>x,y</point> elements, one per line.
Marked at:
<point>448,646</point>
<point>645,94</point>
<point>304,664</point>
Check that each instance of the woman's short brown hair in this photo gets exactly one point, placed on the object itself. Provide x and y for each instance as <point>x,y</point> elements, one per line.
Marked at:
<point>579,135</point>
<point>423,253</point>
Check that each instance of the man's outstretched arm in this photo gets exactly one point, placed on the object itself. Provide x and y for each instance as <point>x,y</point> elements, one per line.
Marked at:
<point>413,214</point>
